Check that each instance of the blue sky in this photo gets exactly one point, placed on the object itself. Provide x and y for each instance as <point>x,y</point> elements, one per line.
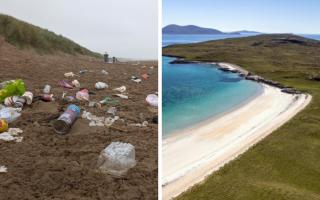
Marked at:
<point>269,16</point>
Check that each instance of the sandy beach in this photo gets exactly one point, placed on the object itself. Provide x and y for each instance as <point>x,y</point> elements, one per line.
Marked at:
<point>194,153</point>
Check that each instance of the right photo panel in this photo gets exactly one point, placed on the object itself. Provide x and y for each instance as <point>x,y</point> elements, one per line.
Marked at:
<point>240,99</point>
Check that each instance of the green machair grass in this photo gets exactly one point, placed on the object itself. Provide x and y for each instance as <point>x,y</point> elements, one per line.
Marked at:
<point>24,36</point>
<point>286,164</point>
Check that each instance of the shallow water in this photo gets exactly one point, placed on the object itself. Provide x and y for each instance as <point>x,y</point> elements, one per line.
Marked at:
<point>195,92</point>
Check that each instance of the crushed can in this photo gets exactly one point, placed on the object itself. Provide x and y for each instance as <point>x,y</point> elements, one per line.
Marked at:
<point>10,101</point>
<point>64,123</point>
<point>20,102</point>
<point>3,125</point>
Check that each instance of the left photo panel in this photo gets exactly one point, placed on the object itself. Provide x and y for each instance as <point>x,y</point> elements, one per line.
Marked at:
<point>79,99</point>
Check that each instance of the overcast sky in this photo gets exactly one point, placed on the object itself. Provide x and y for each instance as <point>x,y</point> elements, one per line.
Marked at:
<point>123,28</point>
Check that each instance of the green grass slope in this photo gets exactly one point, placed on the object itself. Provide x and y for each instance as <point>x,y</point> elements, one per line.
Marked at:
<point>286,164</point>
<point>25,35</point>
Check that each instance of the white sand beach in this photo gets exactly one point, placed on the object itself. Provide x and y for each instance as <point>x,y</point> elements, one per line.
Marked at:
<point>192,154</point>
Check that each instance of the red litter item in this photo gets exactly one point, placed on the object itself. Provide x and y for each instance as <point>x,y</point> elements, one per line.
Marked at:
<point>65,84</point>
<point>47,97</point>
<point>145,76</point>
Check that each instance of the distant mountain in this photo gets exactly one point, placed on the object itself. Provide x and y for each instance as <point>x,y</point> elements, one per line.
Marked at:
<point>245,32</point>
<point>190,29</point>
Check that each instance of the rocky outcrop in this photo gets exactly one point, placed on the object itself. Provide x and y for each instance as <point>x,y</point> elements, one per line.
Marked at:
<point>290,91</point>
<point>180,61</point>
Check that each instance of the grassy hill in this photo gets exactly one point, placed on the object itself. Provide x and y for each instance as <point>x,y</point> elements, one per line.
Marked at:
<point>25,35</point>
<point>286,164</point>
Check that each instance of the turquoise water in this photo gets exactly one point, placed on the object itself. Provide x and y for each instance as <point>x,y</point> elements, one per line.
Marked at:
<point>195,92</point>
<point>168,39</point>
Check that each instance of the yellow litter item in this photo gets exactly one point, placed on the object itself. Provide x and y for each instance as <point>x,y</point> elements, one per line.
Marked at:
<point>3,125</point>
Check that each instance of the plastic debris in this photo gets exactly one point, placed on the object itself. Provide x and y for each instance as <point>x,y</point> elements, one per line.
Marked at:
<point>99,121</point>
<point>3,125</point>
<point>117,159</point>
<point>28,97</point>
<point>83,71</point>
<point>122,96</point>
<point>76,83</point>
<point>92,103</point>
<point>12,88</point>
<point>110,120</point>
<point>121,89</point>
<point>65,84</point>
<point>47,89</point>
<point>69,74</point>
<point>10,101</point>
<point>145,76</point>
<point>47,97</point>
<point>83,95</point>
<point>135,79</point>
<point>112,110</point>
<point>69,99</point>
<point>12,135</point>
<point>3,169</point>
<point>101,85</point>
<point>108,100</point>
<point>4,83</point>
<point>10,114</point>
<point>143,124</point>
<point>104,72</point>
<point>152,100</point>
<point>64,123</point>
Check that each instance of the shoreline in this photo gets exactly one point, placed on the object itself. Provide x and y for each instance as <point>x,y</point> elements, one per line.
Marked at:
<point>215,142</point>
<point>201,123</point>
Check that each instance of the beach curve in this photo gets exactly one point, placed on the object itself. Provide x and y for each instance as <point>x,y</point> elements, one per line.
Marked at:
<point>196,152</point>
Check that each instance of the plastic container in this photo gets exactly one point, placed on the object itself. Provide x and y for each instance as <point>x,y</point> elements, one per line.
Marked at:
<point>152,100</point>
<point>100,85</point>
<point>64,123</point>
<point>117,159</point>
<point>10,114</point>
<point>28,97</point>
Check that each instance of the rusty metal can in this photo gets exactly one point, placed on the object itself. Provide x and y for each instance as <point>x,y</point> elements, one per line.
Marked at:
<point>3,125</point>
<point>64,123</point>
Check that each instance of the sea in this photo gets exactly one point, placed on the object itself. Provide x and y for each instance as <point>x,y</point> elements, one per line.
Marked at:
<point>193,93</point>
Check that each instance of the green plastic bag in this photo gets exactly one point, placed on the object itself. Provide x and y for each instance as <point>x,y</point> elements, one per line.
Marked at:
<point>16,87</point>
